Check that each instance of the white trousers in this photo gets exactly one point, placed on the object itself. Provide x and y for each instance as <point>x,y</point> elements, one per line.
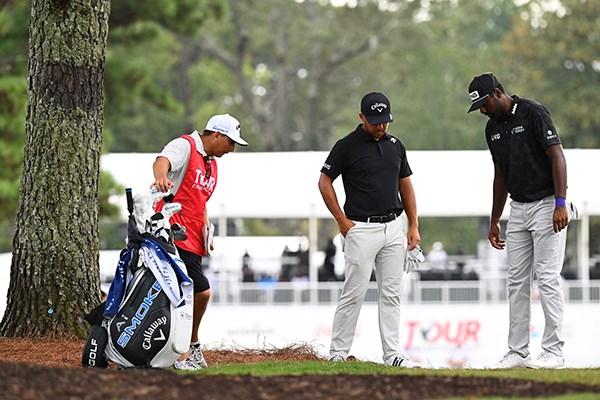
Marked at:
<point>534,248</point>
<point>369,245</point>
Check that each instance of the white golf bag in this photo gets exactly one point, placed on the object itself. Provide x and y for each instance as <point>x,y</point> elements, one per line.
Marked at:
<point>147,318</point>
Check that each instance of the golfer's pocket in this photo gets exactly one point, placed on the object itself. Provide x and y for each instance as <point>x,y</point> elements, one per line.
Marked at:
<point>344,238</point>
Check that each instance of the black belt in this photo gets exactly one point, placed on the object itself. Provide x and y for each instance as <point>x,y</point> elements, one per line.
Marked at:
<point>378,218</point>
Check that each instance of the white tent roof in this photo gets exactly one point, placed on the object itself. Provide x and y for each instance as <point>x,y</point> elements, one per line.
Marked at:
<point>284,184</point>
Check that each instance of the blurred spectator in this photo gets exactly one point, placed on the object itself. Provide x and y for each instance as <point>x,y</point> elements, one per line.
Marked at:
<point>460,261</point>
<point>327,271</point>
<point>437,257</point>
<point>291,262</point>
<point>247,271</point>
<point>301,274</point>
<point>288,261</point>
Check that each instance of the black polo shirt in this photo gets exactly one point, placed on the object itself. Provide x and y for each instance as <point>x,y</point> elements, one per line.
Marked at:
<point>370,172</point>
<point>518,142</point>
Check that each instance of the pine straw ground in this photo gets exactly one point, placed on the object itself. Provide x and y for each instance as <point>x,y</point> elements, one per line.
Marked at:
<point>51,369</point>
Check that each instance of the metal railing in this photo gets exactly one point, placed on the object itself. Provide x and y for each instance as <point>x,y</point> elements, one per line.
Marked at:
<point>233,292</point>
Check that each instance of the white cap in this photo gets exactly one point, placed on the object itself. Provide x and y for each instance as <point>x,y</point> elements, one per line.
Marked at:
<point>226,125</point>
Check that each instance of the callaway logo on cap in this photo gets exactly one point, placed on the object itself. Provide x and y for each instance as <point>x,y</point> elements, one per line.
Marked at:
<point>226,125</point>
<point>376,108</point>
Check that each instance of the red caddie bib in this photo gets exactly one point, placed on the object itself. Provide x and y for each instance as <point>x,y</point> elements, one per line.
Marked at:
<point>193,193</point>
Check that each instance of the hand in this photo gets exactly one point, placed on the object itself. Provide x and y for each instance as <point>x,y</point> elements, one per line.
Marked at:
<point>163,184</point>
<point>560,218</point>
<point>413,236</point>
<point>345,225</point>
<point>494,236</point>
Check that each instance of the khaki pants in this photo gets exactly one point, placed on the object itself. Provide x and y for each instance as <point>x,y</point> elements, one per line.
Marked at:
<point>534,248</point>
<point>368,245</point>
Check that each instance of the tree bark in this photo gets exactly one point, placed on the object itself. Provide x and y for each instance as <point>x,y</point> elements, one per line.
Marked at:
<point>54,269</point>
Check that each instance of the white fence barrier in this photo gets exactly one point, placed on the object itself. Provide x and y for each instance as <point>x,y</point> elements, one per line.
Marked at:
<point>442,335</point>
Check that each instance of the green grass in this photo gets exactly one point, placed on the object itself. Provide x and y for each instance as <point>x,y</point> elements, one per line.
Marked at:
<point>273,368</point>
<point>582,376</point>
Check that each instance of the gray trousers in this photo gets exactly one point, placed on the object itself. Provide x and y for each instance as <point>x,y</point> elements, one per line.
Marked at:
<point>369,245</point>
<point>534,248</point>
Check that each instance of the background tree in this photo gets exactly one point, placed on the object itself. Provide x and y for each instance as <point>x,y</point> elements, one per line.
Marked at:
<point>14,20</point>
<point>451,43</point>
<point>13,103</point>
<point>552,55</point>
<point>54,271</point>
<point>149,93</point>
<point>139,91</point>
<point>294,65</point>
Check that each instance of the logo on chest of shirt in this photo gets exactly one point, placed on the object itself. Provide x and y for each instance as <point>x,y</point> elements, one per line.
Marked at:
<point>203,183</point>
<point>517,129</point>
<point>495,136</point>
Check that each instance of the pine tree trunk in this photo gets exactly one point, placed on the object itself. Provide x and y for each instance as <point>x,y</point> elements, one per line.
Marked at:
<point>54,270</point>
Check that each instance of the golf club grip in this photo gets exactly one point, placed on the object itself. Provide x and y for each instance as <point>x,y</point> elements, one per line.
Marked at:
<point>129,196</point>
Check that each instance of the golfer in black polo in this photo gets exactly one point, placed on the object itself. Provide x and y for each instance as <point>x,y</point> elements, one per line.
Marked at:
<point>374,170</point>
<point>529,164</point>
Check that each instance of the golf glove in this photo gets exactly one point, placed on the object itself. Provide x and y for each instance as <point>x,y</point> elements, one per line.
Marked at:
<point>574,214</point>
<point>413,258</point>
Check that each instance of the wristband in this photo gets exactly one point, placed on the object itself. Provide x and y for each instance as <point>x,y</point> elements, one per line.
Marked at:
<point>560,202</point>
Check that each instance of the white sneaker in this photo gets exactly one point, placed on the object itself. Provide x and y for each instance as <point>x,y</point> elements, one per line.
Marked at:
<point>511,360</point>
<point>548,360</point>
<point>402,361</point>
<point>186,365</point>
<point>337,358</point>
<point>196,355</point>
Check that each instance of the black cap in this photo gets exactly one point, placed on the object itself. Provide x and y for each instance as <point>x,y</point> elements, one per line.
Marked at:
<point>375,106</point>
<point>480,88</point>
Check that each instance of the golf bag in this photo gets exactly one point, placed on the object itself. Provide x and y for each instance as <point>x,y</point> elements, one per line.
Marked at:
<point>146,320</point>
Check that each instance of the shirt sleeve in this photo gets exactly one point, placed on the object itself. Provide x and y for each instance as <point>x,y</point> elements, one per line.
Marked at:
<point>405,169</point>
<point>336,162</point>
<point>177,151</point>
<point>545,132</point>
